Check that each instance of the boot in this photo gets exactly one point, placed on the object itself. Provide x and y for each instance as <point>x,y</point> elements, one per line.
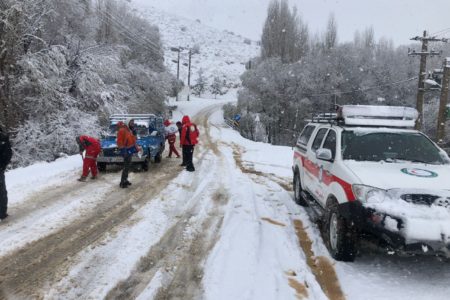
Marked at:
<point>123,185</point>
<point>82,179</point>
<point>94,177</point>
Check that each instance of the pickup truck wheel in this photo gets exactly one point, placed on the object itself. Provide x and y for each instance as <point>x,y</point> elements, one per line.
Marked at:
<point>298,191</point>
<point>339,236</point>
<point>145,165</point>
<point>101,167</point>
<point>158,157</point>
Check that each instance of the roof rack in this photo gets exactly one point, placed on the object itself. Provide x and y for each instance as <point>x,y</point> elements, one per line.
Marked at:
<point>370,115</point>
<point>331,118</point>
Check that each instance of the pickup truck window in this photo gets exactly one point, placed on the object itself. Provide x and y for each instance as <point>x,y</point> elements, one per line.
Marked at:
<point>390,147</point>
<point>330,142</point>
<point>318,140</point>
<point>305,135</point>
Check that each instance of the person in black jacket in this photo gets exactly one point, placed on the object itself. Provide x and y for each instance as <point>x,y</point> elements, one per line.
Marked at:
<point>5,158</point>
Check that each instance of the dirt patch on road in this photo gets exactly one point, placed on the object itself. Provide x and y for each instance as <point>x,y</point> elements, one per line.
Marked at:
<point>202,119</point>
<point>321,266</point>
<point>300,288</point>
<point>273,222</point>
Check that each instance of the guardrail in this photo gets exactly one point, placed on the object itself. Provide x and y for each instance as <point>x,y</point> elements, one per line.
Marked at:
<point>231,124</point>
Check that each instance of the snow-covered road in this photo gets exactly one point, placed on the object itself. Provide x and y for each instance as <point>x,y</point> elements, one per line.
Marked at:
<point>228,231</point>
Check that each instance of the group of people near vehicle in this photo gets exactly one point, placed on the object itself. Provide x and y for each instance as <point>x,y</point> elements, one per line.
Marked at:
<point>127,145</point>
<point>91,147</point>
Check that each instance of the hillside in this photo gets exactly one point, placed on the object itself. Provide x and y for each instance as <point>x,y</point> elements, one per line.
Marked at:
<point>222,53</point>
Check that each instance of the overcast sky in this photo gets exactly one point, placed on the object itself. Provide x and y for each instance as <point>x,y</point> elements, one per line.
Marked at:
<point>398,20</point>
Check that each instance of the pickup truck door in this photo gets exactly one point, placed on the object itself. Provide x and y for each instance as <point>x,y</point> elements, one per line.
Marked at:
<point>312,168</point>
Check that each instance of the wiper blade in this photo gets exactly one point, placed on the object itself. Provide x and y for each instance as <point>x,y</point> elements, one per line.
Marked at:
<point>415,160</point>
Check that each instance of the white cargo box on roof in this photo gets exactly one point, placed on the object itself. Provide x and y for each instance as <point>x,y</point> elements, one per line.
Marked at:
<point>371,115</point>
<point>139,119</point>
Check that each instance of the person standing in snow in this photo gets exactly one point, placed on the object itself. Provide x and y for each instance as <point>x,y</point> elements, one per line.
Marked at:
<point>126,142</point>
<point>171,138</point>
<point>189,138</point>
<point>92,147</point>
<point>5,159</point>
<point>180,128</point>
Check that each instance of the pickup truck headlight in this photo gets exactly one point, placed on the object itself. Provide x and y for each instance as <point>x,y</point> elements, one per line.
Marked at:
<point>365,193</point>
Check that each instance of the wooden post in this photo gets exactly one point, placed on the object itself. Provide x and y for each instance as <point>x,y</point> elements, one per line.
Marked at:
<point>189,75</point>
<point>421,85</point>
<point>440,133</point>
<point>178,70</point>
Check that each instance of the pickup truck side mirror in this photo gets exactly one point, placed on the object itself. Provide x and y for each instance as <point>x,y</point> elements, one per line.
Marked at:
<point>324,154</point>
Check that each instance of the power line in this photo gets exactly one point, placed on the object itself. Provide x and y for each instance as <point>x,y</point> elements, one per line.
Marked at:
<point>440,32</point>
<point>132,36</point>
<point>150,44</point>
<point>363,89</point>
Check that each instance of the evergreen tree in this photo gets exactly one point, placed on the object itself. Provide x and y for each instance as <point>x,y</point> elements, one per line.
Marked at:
<point>284,34</point>
<point>217,87</point>
<point>200,85</point>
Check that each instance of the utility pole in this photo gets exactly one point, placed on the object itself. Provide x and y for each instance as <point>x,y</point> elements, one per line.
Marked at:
<point>424,53</point>
<point>175,49</point>
<point>440,134</point>
<point>189,75</point>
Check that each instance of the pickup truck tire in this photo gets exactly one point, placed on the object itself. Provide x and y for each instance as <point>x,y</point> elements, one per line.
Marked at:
<point>298,190</point>
<point>339,236</point>
<point>158,158</point>
<point>145,165</point>
<point>101,167</point>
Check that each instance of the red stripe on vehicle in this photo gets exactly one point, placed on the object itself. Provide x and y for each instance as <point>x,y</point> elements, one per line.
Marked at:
<point>327,178</point>
<point>347,188</point>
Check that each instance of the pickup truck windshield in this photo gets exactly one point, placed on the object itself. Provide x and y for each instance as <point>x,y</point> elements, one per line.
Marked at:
<point>389,147</point>
<point>140,130</point>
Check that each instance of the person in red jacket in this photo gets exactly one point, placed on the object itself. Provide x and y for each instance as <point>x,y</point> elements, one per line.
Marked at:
<point>92,147</point>
<point>171,138</point>
<point>126,142</point>
<point>189,138</point>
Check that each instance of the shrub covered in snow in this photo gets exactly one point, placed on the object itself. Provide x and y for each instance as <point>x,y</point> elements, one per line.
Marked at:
<point>70,65</point>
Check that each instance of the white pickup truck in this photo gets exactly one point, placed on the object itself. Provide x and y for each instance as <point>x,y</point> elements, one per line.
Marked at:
<point>366,170</point>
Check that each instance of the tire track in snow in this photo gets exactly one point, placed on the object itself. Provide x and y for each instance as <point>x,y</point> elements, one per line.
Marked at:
<point>247,170</point>
<point>321,266</point>
<point>179,256</point>
<point>24,272</point>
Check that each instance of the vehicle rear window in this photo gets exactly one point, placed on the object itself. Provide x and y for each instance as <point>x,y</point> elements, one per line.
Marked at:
<point>305,135</point>
<point>318,140</point>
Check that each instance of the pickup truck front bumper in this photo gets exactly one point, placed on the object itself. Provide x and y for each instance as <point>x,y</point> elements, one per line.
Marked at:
<point>119,159</point>
<point>411,235</point>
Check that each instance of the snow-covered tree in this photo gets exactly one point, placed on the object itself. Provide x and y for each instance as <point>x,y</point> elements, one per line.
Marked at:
<point>282,93</point>
<point>65,65</point>
<point>217,87</point>
<point>200,85</point>
<point>284,34</point>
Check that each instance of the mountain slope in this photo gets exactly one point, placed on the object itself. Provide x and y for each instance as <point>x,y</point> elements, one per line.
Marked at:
<point>222,53</point>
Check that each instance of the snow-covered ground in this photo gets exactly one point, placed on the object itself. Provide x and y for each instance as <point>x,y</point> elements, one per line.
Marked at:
<point>228,231</point>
